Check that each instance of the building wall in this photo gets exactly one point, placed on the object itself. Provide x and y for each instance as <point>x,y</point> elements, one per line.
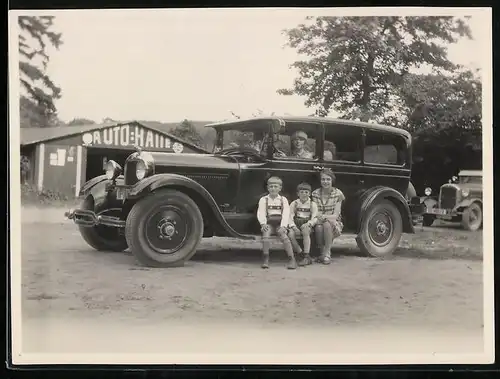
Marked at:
<point>60,165</point>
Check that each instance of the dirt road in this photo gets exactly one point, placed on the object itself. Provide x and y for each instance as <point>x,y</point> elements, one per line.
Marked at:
<point>432,284</point>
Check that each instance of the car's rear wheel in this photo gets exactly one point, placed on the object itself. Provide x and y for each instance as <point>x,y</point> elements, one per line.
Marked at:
<point>381,229</point>
<point>164,229</point>
<point>102,237</point>
<point>472,217</point>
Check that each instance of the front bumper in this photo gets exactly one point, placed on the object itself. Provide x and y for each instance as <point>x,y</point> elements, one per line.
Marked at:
<point>90,219</point>
<point>443,213</point>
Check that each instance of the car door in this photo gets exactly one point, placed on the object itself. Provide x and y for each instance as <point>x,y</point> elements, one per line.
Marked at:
<point>342,154</point>
<point>294,170</point>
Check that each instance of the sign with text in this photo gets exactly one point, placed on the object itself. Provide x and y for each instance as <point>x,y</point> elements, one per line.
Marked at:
<point>129,135</point>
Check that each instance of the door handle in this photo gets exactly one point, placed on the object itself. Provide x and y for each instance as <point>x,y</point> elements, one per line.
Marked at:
<point>318,168</point>
<point>361,181</point>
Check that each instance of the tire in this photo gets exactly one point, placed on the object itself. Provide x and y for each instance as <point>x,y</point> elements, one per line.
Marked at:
<point>164,229</point>
<point>390,216</point>
<point>472,217</point>
<point>101,237</point>
<point>428,220</point>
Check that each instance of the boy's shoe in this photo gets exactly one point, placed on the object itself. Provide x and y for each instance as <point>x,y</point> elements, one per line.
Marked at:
<point>292,264</point>
<point>306,260</point>
<point>265,261</point>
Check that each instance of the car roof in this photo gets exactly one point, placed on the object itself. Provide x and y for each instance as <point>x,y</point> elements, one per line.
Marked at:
<point>470,173</point>
<point>327,121</point>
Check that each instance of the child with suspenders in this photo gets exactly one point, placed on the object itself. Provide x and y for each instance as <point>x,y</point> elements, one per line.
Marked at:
<point>273,215</point>
<point>303,214</point>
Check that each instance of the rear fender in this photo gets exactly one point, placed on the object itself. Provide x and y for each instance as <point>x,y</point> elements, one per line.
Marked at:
<point>377,193</point>
<point>96,191</point>
<point>197,192</point>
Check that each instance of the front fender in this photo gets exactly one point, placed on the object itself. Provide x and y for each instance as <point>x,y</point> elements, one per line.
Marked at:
<point>467,202</point>
<point>102,197</point>
<point>200,194</point>
<point>380,192</point>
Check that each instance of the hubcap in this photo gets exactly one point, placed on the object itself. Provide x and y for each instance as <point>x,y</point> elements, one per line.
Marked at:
<point>167,229</point>
<point>380,228</point>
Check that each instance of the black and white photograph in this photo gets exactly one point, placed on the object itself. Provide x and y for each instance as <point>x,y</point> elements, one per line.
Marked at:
<point>287,186</point>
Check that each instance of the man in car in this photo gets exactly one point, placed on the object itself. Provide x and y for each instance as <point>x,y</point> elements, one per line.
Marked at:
<point>299,139</point>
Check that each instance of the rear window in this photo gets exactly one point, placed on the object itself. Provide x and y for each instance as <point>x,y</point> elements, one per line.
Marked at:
<point>384,148</point>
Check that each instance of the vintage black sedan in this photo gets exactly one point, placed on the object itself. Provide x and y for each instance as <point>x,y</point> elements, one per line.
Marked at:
<point>163,204</point>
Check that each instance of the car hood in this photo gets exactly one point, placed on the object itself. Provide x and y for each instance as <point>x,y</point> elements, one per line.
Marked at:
<point>194,160</point>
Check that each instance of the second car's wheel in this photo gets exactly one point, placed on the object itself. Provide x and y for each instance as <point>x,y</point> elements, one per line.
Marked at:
<point>381,229</point>
<point>428,220</point>
<point>102,237</point>
<point>472,217</point>
<point>164,229</point>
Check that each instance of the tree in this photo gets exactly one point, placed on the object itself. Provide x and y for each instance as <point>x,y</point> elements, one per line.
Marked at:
<point>81,121</point>
<point>444,115</point>
<point>37,102</point>
<point>186,131</point>
<point>355,64</point>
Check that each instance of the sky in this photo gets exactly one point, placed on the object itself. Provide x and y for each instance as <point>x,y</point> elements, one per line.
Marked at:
<point>195,64</point>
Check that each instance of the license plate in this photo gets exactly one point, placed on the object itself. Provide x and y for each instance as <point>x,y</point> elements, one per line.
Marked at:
<point>121,193</point>
<point>437,211</point>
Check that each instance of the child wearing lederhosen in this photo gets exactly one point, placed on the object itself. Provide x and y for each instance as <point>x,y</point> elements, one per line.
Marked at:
<point>303,213</point>
<point>273,215</point>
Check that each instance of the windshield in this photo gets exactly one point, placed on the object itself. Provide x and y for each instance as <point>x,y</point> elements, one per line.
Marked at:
<point>470,179</point>
<point>251,137</point>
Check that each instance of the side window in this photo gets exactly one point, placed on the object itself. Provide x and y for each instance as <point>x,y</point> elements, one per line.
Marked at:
<point>342,144</point>
<point>297,143</point>
<point>384,148</point>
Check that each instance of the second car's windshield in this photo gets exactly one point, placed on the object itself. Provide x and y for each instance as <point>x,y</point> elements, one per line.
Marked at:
<point>470,179</point>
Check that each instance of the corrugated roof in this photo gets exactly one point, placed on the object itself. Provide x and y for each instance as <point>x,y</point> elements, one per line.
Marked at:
<point>30,136</point>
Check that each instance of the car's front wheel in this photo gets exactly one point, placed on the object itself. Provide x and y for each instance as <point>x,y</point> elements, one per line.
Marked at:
<point>381,230</point>
<point>164,229</point>
<point>102,237</point>
<point>472,217</point>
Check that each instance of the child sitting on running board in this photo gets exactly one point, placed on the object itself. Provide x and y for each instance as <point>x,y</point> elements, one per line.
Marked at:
<point>273,215</point>
<point>303,214</point>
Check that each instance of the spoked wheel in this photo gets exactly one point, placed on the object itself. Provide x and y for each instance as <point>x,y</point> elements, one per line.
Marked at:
<point>102,237</point>
<point>472,218</point>
<point>164,229</point>
<point>381,230</point>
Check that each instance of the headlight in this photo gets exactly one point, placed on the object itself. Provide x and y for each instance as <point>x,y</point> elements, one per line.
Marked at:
<point>428,191</point>
<point>465,192</point>
<point>113,170</point>
<point>140,170</point>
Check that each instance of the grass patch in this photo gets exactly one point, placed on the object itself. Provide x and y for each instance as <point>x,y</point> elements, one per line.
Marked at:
<point>30,195</point>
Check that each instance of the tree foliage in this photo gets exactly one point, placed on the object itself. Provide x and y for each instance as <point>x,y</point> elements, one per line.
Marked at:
<point>81,121</point>
<point>187,131</point>
<point>37,102</point>
<point>354,65</point>
<point>444,115</point>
